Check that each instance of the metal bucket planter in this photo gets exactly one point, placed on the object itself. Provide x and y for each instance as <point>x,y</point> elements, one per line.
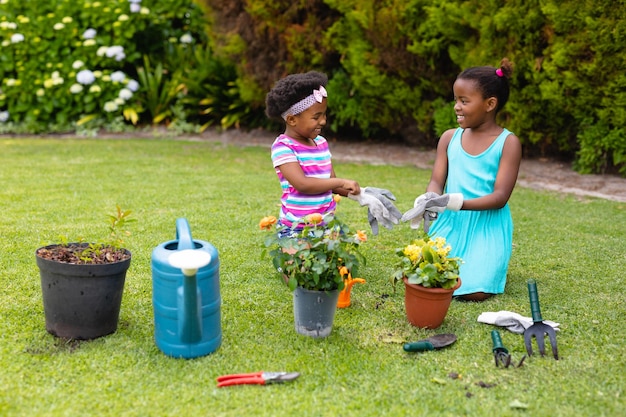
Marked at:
<point>314,311</point>
<point>82,301</point>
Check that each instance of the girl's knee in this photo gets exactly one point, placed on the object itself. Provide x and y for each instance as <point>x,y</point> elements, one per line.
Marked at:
<point>476,296</point>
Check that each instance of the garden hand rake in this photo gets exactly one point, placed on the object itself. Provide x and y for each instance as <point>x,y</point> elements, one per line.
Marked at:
<point>539,329</point>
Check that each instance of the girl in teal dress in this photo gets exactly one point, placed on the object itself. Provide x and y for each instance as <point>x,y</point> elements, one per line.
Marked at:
<point>476,166</point>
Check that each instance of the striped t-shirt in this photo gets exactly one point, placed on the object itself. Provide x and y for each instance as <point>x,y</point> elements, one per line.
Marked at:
<point>315,161</point>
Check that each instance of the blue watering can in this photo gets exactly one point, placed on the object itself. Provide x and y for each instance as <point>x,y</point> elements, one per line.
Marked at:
<point>186,295</point>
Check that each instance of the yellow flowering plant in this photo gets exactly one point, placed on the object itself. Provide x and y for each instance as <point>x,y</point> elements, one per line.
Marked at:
<point>426,261</point>
<point>318,257</point>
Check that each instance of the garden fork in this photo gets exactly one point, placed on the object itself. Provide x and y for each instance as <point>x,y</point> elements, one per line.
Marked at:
<point>539,329</point>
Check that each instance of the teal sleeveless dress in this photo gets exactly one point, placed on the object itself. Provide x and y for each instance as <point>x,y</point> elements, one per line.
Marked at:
<point>483,239</point>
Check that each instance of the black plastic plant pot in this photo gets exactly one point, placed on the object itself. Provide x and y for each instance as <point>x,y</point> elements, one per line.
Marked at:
<point>82,301</point>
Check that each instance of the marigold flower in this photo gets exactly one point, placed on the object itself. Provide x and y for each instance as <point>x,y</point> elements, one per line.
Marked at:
<point>337,198</point>
<point>267,222</point>
<point>314,218</point>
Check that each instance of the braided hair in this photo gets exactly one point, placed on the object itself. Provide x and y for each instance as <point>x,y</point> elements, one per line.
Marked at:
<point>492,82</point>
<point>290,90</point>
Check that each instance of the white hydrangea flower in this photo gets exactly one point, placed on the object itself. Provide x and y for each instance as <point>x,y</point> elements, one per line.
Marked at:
<point>85,77</point>
<point>132,85</point>
<point>110,106</point>
<point>67,19</point>
<point>125,94</point>
<point>17,37</point>
<point>95,89</point>
<point>8,25</point>
<point>76,88</point>
<point>78,64</point>
<point>118,76</point>
<point>186,38</point>
<point>123,17</point>
<point>89,42</point>
<point>135,8</point>
<point>115,51</point>
<point>89,33</point>
<point>4,116</point>
<point>102,51</point>
<point>40,92</point>
<point>58,26</point>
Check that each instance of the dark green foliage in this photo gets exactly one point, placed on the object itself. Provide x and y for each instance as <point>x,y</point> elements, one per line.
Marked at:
<point>392,65</point>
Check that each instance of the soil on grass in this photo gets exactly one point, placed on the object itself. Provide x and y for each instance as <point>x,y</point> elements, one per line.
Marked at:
<point>542,174</point>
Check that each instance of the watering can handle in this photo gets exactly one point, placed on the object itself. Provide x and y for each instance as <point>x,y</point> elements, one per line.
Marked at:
<point>183,234</point>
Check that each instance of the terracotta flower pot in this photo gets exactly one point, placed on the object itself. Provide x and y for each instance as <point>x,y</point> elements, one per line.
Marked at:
<point>427,307</point>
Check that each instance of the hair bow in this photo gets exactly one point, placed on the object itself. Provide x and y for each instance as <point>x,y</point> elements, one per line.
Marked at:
<point>320,94</point>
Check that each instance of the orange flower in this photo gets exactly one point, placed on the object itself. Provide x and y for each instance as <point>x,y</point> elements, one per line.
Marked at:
<point>314,218</point>
<point>337,198</point>
<point>360,234</point>
<point>267,222</point>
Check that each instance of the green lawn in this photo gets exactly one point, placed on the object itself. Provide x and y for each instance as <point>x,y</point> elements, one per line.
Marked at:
<point>573,247</point>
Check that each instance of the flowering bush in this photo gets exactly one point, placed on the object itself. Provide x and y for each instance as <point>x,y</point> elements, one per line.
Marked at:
<point>67,63</point>
<point>425,262</point>
<point>317,257</point>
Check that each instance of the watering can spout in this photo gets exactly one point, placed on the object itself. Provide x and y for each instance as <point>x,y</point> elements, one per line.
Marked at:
<point>186,295</point>
<point>189,297</point>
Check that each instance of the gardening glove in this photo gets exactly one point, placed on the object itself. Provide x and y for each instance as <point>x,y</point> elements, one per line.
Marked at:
<point>387,198</point>
<point>380,208</point>
<point>512,321</point>
<point>432,203</point>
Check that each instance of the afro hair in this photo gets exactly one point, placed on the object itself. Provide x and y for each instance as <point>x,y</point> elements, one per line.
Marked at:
<point>290,90</point>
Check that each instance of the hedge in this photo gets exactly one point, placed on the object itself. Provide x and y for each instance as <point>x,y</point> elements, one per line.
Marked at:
<point>392,64</point>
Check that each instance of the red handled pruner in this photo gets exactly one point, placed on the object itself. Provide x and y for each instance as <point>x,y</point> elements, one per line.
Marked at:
<point>256,378</point>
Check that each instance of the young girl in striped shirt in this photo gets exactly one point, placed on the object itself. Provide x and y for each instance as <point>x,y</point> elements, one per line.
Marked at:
<point>302,159</point>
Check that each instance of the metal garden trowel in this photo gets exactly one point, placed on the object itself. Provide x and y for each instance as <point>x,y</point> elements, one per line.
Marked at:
<point>434,342</point>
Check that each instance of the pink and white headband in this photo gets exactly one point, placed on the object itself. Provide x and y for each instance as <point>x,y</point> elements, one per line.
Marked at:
<point>305,103</point>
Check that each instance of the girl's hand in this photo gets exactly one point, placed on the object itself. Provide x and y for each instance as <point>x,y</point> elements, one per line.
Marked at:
<point>352,187</point>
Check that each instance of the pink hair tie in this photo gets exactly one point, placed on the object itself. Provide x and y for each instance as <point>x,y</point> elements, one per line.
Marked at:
<point>499,73</point>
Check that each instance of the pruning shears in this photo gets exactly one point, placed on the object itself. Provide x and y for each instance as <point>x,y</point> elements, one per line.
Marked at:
<point>256,378</point>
